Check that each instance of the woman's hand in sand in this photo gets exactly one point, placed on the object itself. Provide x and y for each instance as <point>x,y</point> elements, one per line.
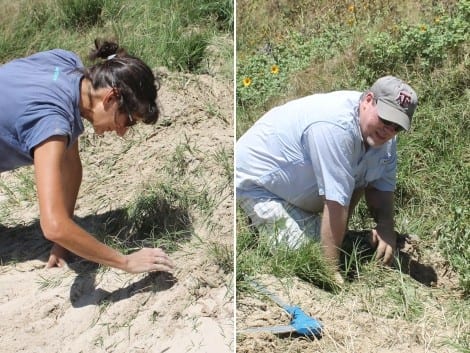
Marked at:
<point>57,256</point>
<point>148,260</point>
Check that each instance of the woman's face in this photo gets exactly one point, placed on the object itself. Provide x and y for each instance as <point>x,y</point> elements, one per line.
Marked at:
<point>374,131</point>
<point>108,117</point>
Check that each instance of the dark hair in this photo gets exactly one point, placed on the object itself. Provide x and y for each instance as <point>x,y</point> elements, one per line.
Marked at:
<point>129,75</point>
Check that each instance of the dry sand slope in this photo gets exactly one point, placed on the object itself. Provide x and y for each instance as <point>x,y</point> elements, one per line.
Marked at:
<point>85,309</point>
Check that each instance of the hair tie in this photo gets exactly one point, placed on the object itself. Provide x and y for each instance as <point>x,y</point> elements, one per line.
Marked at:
<point>112,56</point>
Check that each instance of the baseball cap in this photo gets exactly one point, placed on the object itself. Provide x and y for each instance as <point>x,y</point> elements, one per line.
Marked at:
<point>396,100</point>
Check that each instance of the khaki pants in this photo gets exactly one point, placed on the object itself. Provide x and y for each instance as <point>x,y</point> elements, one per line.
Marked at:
<point>282,222</point>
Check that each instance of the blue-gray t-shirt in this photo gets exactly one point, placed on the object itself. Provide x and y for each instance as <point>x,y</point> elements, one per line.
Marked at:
<point>39,98</point>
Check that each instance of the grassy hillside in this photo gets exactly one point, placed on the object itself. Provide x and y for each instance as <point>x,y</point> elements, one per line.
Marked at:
<point>176,34</point>
<point>291,49</point>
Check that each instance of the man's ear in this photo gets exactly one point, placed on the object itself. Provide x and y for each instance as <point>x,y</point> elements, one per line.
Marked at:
<point>369,97</point>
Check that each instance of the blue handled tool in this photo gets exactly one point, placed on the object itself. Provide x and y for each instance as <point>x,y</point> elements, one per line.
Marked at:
<point>300,324</point>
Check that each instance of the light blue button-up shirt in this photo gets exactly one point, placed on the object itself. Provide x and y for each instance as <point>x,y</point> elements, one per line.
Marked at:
<point>309,149</point>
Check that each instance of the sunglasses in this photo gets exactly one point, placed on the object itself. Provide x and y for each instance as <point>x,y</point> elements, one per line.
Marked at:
<point>130,120</point>
<point>397,128</point>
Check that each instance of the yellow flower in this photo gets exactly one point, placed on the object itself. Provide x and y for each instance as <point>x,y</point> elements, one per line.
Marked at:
<point>274,69</point>
<point>246,81</point>
<point>351,21</point>
<point>437,20</point>
<point>351,8</point>
<point>423,28</point>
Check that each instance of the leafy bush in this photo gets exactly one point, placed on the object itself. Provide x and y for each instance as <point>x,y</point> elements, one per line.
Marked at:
<point>266,73</point>
<point>424,47</point>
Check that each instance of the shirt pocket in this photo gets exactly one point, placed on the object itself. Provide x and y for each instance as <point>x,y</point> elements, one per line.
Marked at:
<point>376,168</point>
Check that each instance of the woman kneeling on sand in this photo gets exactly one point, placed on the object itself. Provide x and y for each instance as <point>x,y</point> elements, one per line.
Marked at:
<point>43,99</point>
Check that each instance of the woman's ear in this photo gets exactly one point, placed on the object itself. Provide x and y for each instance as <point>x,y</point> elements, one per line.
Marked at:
<point>110,97</point>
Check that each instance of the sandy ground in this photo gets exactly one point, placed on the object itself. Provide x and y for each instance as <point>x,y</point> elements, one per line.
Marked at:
<point>367,317</point>
<point>82,308</point>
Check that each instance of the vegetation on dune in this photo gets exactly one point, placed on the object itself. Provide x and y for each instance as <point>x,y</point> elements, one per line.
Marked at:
<point>348,45</point>
<point>183,35</point>
<point>168,33</point>
<point>286,50</point>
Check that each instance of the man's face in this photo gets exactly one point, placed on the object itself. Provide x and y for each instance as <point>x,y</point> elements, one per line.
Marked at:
<point>375,131</point>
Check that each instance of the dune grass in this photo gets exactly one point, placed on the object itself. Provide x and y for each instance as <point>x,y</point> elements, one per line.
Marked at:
<point>287,50</point>
<point>175,34</point>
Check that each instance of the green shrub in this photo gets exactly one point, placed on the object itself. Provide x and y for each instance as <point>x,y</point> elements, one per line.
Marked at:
<point>424,47</point>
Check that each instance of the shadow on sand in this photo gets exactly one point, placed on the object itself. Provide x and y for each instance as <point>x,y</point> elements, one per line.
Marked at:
<point>22,243</point>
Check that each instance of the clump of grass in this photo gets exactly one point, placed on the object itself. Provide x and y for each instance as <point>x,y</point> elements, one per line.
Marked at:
<point>181,159</point>
<point>396,296</point>
<point>461,338</point>
<point>222,255</point>
<point>81,13</point>
<point>256,255</point>
<point>405,299</point>
<point>161,217</point>
<point>455,242</point>
<point>175,34</point>
<point>224,158</point>
<point>307,263</point>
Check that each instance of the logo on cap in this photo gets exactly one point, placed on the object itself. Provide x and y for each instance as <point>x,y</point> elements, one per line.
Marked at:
<point>403,99</point>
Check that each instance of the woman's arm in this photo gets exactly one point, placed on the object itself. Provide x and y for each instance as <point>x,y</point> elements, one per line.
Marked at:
<point>56,198</point>
<point>72,172</point>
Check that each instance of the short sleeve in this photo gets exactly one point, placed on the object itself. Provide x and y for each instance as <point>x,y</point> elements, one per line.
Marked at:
<point>34,130</point>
